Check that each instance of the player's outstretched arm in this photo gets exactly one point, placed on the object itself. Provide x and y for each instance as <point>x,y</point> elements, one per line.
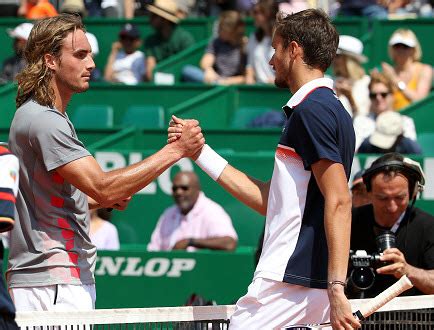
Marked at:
<point>250,191</point>
<point>108,188</point>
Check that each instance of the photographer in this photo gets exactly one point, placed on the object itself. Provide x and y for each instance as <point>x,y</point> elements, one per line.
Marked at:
<point>393,183</point>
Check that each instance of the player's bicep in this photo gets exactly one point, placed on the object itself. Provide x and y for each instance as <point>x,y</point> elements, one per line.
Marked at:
<point>331,179</point>
<point>84,174</point>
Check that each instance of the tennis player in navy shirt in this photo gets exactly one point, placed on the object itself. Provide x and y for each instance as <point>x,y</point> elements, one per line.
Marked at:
<point>301,273</point>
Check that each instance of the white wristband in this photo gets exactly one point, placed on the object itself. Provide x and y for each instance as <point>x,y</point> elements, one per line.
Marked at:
<point>211,162</point>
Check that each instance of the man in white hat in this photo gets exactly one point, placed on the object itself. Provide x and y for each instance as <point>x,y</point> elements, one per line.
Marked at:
<point>389,137</point>
<point>15,63</point>
<point>168,39</point>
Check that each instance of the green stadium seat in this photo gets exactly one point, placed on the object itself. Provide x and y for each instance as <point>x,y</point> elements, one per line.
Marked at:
<point>144,116</point>
<point>93,116</point>
<point>426,142</point>
<point>244,116</point>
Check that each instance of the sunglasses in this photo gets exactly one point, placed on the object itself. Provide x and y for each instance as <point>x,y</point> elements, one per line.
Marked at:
<point>374,95</point>
<point>183,188</point>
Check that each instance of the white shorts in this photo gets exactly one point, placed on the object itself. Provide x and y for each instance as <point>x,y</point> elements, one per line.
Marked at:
<point>271,304</point>
<point>59,297</point>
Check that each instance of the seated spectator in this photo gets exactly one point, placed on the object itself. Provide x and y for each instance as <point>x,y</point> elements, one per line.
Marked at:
<point>103,233</point>
<point>388,137</point>
<point>259,50</point>
<point>393,183</point>
<point>380,93</point>
<point>14,64</point>
<point>195,222</point>
<point>359,193</point>
<point>168,39</point>
<point>126,64</point>
<point>224,61</point>
<point>410,78</point>
<point>351,81</point>
<point>367,8</point>
<point>37,9</point>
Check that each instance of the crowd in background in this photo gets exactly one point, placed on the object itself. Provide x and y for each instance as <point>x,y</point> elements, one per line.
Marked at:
<point>372,97</point>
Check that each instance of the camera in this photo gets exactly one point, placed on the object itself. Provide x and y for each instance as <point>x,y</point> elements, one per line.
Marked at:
<point>362,264</point>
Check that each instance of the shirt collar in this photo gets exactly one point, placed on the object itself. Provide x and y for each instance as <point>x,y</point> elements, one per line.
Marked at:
<point>306,89</point>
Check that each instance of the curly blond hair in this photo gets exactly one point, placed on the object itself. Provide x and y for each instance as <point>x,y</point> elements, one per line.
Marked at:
<point>46,37</point>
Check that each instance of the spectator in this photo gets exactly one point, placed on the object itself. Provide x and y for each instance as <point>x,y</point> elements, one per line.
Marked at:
<point>9,188</point>
<point>411,79</point>
<point>195,222</point>
<point>380,93</point>
<point>393,182</point>
<point>77,7</point>
<point>388,137</point>
<point>103,233</point>
<point>359,193</point>
<point>14,64</point>
<point>224,61</point>
<point>126,64</point>
<point>259,50</point>
<point>351,81</point>
<point>37,9</point>
<point>367,8</point>
<point>168,39</point>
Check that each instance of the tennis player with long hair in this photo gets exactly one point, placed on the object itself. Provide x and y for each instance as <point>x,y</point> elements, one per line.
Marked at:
<point>301,273</point>
<point>52,260</point>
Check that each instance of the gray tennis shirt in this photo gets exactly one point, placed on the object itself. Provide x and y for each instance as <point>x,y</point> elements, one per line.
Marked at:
<point>50,242</point>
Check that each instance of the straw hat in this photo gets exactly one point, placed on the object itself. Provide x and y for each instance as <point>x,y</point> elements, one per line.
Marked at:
<point>351,46</point>
<point>166,9</point>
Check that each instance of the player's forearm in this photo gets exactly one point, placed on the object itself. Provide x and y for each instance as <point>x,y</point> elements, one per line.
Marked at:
<point>215,243</point>
<point>252,192</point>
<point>151,62</point>
<point>422,279</point>
<point>337,221</point>
<point>122,183</point>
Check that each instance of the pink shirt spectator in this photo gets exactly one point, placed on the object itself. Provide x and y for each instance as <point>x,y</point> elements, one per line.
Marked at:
<point>206,219</point>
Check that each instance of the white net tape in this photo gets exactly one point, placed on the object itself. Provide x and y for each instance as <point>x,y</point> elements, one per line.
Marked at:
<point>173,314</point>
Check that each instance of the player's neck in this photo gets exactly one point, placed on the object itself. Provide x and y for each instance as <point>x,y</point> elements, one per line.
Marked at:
<point>62,96</point>
<point>303,77</point>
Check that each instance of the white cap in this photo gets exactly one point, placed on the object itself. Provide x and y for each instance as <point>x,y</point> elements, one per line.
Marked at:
<point>388,126</point>
<point>351,46</point>
<point>401,39</point>
<point>22,31</point>
<point>93,43</point>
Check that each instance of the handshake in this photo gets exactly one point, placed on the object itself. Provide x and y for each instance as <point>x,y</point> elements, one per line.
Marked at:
<point>187,135</point>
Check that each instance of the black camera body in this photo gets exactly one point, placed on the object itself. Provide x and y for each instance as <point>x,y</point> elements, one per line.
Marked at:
<point>362,264</point>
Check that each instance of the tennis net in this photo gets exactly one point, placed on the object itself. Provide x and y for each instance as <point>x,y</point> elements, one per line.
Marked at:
<point>401,313</point>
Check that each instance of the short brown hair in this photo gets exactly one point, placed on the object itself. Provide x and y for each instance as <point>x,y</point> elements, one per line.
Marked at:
<point>380,78</point>
<point>314,32</point>
<point>46,38</point>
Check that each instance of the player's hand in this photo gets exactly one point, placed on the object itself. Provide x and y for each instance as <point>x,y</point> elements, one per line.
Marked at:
<point>121,205</point>
<point>174,130</point>
<point>116,46</point>
<point>398,265</point>
<point>191,140</point>
<point>341,316</point>
<point>181,245</point>
<point>211,76</point>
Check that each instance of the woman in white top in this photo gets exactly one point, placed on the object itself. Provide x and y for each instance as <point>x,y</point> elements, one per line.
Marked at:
<point>259,50</point>
<point>381,95</point>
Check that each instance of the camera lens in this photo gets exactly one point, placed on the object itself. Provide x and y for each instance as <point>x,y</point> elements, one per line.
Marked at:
<point>362,278</point>
<point>385,241</point>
